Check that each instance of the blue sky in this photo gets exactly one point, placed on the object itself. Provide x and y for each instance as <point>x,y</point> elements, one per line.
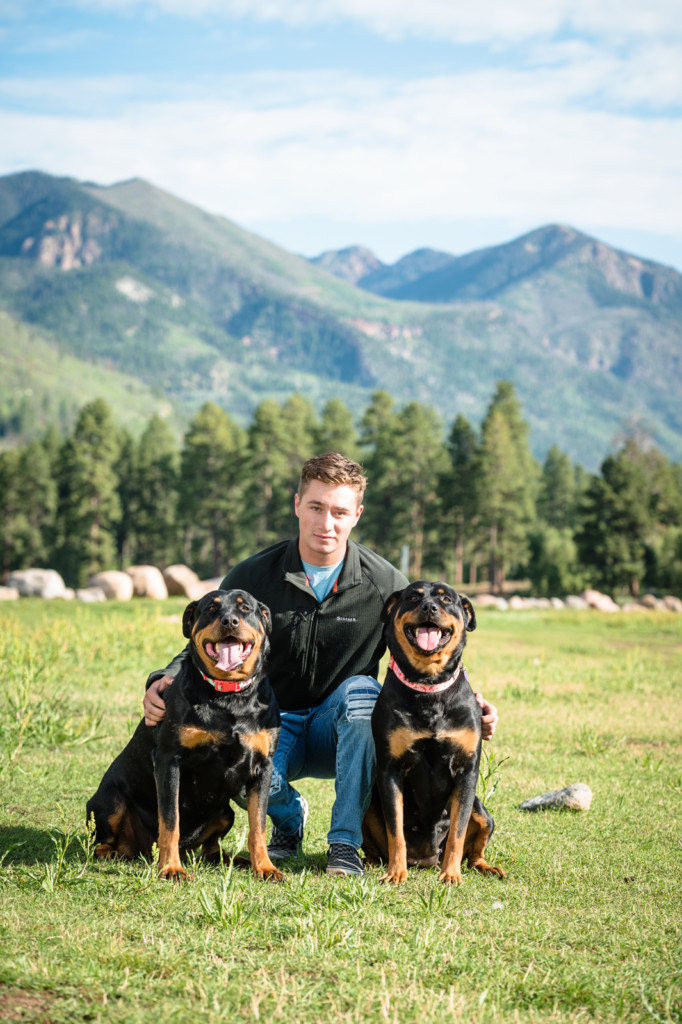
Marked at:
<point>388,123</point>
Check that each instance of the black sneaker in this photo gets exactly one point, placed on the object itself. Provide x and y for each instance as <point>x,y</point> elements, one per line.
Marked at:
<point>343,860</point>
<point>288,844</point>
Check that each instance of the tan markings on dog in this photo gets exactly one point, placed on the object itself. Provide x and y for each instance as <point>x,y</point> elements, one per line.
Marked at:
<point>210,837</point>
<point>451,867</point>
<point>476,840</point>
<point>261,865</point>
<point>402,739</point>
<point>191,736</point>
<point>397,849</point>
<point>467,739</point>
<point>424,663</point>
<point>169,849</point>
<point>258,741</point>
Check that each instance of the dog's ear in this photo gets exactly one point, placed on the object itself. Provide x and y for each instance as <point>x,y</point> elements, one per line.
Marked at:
<point>469,612</point>
<point>390,604</point>
<point>188,619</point>
<point>265,615</point>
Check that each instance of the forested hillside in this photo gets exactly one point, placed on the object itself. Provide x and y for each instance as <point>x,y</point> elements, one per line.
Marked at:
<point>181,306</point>
<point>471,505</point>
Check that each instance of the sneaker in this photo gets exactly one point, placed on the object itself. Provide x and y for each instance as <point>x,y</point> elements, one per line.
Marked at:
<point>288,844</point>
<point>343,860</point>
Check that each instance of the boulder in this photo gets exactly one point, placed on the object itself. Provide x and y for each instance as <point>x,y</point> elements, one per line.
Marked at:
<point>557,603</point>
<point>9,594</point>
<point>182,580</point>
<point>117,586</point>
<point>45,583</point>
<point>205,587</point>
<point>148,581</point>
<point>602,602</point>
<point>491,601</point>
<point>672,603</point>
<point>576,603</point>
<point>90,595</point>
<point>577,797</point>
<point>650,601</point>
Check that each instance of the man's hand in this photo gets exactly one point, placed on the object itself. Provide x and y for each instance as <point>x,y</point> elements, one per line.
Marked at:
<point>153,703</point>
<point>488,718</point>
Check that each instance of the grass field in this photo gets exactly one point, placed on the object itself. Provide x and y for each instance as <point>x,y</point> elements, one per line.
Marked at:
<point>586,926</point>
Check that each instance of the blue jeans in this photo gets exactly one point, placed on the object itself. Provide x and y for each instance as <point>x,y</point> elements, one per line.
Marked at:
<point>331,741</point>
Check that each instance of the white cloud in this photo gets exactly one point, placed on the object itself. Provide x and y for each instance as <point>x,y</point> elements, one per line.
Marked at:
<point>487,20</point>
<point>277,147</point>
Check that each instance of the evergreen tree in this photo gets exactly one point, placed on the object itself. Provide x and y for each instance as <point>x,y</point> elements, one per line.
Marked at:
<point>89,508</point>
<point>125,467</point>
<point>156,483</point>
<point>558,490</point>
<point>212,491</point>
<point>507,484</point>
<point>457,491</point>
<point>336,431</point>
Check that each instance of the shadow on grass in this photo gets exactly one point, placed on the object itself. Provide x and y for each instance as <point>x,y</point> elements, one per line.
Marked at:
<point>24,845</point>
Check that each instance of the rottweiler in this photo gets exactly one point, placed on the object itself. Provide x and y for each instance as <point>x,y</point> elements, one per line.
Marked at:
<point>427,731</point>
<point>173,782</point>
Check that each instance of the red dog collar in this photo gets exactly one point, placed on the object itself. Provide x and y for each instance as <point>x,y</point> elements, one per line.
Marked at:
<point>224,685</point>
<point>424,687</point>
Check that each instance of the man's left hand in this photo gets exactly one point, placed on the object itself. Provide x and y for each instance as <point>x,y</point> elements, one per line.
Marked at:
<point>488,718</point>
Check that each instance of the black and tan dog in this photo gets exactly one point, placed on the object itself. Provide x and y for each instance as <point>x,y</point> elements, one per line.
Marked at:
<point>173,782</point>
<point>427,732</point>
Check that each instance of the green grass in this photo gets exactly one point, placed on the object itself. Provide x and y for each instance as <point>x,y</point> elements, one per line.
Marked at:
<point>586,926</point>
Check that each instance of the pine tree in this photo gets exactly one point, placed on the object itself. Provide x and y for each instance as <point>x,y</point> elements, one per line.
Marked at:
<point>336,431</point>
<point>89,508</point>
<point>212,488</point>
<point>155,501</point>
<point>457,490</point>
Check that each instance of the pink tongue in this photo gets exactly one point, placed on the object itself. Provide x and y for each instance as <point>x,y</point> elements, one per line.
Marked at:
<point>428,638</point>
<point>229,656</point>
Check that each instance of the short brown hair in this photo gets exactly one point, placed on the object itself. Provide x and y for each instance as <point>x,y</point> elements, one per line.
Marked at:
<point>333,468</point>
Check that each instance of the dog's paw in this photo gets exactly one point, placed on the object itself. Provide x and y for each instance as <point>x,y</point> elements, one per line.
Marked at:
<point>450,877</point>
<point>270,873</point>
<point>394,876</point>
<point>174,873</point>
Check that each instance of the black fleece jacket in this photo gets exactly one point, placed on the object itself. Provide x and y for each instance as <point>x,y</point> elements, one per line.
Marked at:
<point>315,646</point>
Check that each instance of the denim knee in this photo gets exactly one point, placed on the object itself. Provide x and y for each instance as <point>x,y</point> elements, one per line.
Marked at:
<point>359,698</point>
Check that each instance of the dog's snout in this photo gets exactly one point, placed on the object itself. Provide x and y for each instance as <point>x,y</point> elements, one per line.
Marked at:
<point>430,607</point>
<point>231,619</point>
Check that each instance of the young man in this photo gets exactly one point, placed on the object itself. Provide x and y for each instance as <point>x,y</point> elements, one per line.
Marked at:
<point>325,593</point>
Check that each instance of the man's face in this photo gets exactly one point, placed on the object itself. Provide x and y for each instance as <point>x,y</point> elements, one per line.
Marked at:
<point>326,515</point>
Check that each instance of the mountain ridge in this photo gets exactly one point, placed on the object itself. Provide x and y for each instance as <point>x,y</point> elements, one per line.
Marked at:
<point>187,303</point>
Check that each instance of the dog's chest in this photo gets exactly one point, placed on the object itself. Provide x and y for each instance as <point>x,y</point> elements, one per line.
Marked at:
<point>433,736</point>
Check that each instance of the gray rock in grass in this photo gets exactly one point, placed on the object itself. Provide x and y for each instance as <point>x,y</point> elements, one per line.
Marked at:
<point>577,797</point>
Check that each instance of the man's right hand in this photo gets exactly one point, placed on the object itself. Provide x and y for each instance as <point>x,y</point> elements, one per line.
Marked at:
<point>153,703</point>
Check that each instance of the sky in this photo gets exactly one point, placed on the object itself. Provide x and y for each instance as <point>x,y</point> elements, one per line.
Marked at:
<point>393,124</point>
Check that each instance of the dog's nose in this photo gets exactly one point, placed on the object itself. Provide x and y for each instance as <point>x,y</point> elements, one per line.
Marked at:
<point>430,607</point>
<point>231,620</point>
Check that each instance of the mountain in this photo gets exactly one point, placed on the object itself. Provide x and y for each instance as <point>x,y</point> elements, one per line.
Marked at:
<point>170,306</point>
<point>352,264</point>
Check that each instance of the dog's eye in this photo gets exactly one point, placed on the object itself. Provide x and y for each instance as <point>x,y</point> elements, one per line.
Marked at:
<point>446,599</point>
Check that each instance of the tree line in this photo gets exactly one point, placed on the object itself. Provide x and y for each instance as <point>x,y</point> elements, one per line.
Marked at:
<point>467,505</point>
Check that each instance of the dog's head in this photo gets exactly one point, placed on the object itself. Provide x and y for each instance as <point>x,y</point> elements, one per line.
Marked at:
<point>425,628</point>
<point>228,632</point>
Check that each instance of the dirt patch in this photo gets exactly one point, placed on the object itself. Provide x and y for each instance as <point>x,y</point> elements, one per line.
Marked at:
<point>21,1005</point>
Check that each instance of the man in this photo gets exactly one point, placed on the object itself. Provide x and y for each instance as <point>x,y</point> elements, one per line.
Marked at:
<point>326,594</point>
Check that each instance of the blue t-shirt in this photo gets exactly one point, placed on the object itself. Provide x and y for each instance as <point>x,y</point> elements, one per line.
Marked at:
<point>322,578</point>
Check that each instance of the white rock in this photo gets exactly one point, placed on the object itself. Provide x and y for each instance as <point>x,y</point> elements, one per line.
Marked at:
<point>180,579</point>
<point>45,583</point>
<point>557,603</point>
<point>148,581</point>
<point>90,595</point>
<point>577,797</point>
<point>9,594</point>
<point>602,602</point>
<point>576,603</point>
<point>672,603</point>
<point>117,586</point>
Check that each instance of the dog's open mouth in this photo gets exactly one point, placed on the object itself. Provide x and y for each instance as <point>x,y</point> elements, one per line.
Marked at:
<point>428,637</point>
<point>228,654</point>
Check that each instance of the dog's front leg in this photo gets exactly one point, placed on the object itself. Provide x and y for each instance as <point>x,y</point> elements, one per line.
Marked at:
<point>257,791</point>
<point>461,803</point>
<point>167,774</point>
<point>391,782</point>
